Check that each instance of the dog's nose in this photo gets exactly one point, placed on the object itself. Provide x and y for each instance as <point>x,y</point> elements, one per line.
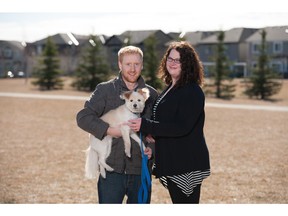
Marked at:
<point>135,105</point>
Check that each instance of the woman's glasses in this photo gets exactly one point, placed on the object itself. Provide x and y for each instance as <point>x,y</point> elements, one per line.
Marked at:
<point>176,61</point>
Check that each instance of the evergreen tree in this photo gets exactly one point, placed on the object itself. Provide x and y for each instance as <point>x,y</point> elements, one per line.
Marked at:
<point>151,63</point>
<point>47,73</point>
<point>222,86</point>
<point>262,83</point>
<point>92,70</point>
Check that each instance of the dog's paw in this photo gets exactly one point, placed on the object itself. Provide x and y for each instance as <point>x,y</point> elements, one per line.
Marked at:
<point>103,173</point>
<point>128,154</point>
<point>110,169</point>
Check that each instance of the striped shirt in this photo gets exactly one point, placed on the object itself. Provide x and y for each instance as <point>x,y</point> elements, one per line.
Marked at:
<point>187,181</point>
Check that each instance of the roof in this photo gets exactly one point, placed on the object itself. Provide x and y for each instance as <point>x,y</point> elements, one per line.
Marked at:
<point>275,33</point>
<point>137,37</point>
<point>17,44</point>
<point>174,35</point>
<point>196,37</point>
<point>234,35</point>
<point>68,39</point>
<point>58,39</point>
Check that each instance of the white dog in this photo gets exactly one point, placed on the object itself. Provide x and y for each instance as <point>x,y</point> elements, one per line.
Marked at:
<point>99,150</point>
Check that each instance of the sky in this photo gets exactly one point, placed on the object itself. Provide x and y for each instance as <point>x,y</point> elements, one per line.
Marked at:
<point>30,21</point>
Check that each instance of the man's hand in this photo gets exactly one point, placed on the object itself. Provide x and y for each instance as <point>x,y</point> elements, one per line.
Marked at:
<point>114,132</point>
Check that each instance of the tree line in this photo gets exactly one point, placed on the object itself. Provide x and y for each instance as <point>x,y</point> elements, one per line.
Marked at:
<point>92,69</point>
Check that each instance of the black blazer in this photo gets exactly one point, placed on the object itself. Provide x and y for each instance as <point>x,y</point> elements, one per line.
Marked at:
<point>180,145</point>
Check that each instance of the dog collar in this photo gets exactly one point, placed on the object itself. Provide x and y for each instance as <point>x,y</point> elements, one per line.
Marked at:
<point>137,114</point>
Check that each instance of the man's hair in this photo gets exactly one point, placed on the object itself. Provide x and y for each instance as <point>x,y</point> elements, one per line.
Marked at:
<point>129,50</point>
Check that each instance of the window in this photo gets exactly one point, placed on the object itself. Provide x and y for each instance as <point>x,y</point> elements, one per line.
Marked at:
<point>255,48</point>
<point>254,65</point>
<point>209,67</point>
<point>7,52</point>
<point>208,50</point>
<point>39,50</point>
<point>7,66</point>
<point>277,47</point>
<point>277,66</point>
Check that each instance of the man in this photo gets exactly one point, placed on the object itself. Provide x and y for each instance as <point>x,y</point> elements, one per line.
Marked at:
<point>126,177</point>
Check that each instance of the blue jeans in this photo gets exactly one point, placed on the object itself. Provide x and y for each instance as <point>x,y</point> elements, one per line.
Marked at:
<point>116,186</point>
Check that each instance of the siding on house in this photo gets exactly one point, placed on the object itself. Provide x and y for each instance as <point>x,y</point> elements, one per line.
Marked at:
<point>277,48</point>
<point>236,49</point>
<point>12,57</point>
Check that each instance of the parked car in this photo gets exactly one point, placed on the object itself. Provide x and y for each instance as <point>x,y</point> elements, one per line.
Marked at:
<point>19,74</point>
<point>10,74</point>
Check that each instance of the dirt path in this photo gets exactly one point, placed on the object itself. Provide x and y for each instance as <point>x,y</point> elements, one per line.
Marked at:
<point>209,104</point>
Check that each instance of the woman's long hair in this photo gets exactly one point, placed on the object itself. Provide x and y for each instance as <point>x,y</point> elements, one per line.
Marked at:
<point>191,67</point>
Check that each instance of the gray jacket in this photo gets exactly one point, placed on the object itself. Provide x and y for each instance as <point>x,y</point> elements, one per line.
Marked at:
<point>106,97</point>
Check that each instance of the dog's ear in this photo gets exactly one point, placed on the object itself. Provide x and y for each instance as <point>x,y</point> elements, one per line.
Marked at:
<point>145,92</point>
<point>126,95</point>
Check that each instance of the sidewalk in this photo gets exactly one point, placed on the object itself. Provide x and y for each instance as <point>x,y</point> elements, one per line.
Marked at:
<point>208,104</point>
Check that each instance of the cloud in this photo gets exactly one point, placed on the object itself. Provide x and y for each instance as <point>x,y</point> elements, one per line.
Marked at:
<point>35,26</point>
<point>131,6</point>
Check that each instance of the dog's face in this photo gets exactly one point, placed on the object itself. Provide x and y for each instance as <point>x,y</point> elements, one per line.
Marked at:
<point>135,100</point>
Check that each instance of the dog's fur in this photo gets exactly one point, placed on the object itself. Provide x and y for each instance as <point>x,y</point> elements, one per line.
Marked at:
<point>99,150</point>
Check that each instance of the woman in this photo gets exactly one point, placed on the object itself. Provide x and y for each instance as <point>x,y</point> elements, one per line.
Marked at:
<point>181,154</point>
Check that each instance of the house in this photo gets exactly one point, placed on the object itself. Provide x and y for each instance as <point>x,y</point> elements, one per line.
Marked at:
<point>12,58</point>
<point>241,46</point>
<point>69,47</point>
<point>236,50</point>
<point>277,48</point>
<point>136,38</point>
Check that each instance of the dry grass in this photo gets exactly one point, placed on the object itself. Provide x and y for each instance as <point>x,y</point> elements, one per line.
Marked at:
<point>41,158</point>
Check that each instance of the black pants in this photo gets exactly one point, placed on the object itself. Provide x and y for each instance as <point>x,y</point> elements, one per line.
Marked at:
<point>177,196</point>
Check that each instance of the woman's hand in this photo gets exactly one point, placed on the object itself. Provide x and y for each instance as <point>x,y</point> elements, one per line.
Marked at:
<point>150,139</point>
<point>135,124</point>
<point>148,152</point>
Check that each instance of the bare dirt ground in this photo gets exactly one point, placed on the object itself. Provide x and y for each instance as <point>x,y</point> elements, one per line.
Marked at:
<point>42,158</point>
